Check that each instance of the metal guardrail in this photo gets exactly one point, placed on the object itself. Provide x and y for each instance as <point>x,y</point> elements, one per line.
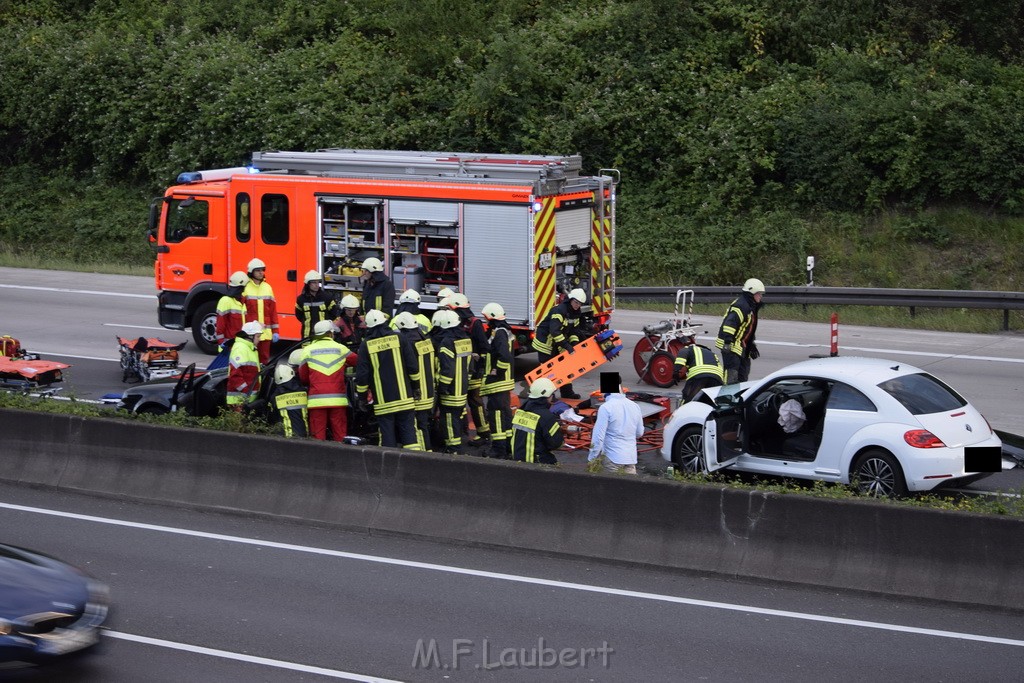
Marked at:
<point>845,296</point>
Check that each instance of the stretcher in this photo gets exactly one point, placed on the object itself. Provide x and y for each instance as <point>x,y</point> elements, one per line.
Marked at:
<point>588,355</point>
<point>24,371</point>
<point>148,358</point>
<point>656,411</point>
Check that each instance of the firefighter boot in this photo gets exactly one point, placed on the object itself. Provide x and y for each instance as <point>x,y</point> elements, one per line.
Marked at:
<point>567,392</point>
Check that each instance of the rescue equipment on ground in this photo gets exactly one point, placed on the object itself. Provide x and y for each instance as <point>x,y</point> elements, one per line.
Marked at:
<point>23,371</point>
<point>569,366</point>
<point>654,356</point>
<point>148,358</point>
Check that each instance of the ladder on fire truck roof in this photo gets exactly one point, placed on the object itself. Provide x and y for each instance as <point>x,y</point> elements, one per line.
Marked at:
<point>466,166</point>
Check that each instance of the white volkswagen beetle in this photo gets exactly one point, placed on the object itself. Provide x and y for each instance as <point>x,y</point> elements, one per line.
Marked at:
<point>886,426</point>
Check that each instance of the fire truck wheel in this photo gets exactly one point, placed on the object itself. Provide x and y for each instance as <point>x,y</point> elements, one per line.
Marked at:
<point>204,327</point>
<point>661,370</point>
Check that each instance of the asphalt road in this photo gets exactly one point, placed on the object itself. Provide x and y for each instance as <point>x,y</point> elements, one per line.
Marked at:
<point>75,317</point>
<point>217,597</point>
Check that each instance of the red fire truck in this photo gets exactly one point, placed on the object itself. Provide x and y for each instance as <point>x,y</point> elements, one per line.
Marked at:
<point>515,229</point>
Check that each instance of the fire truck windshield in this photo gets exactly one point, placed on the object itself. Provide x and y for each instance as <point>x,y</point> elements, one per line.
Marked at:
<point>187,218</point>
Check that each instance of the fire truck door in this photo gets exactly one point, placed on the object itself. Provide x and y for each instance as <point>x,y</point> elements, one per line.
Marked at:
<point>276,237</point>
<point>193,247</point>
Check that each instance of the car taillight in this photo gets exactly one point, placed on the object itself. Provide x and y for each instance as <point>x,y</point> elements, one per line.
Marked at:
<point>922,438</point>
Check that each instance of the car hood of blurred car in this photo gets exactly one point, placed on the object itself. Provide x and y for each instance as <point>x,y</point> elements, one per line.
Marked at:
<point>33,584</point>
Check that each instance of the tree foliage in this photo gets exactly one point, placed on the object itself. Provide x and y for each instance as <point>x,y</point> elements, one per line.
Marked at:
<point>733,122</point>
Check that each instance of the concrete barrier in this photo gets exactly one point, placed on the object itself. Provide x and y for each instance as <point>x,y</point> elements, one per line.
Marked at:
<point>848,544</point>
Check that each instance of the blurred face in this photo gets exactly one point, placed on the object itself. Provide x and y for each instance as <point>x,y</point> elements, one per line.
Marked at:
<point>365,275</point>
<point>758,297</point>
<point>351,312</point>
<point>576,305</point>
<point>259,274</point>
<point>314,286</point>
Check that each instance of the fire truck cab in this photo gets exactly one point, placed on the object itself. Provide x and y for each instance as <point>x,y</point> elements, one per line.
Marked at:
<point>520,230</point>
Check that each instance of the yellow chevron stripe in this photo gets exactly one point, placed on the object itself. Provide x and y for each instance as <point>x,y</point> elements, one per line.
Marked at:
<point>544,241</point>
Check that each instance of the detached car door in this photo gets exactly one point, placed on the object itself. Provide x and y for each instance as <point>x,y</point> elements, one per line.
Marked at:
<point>724,432</point>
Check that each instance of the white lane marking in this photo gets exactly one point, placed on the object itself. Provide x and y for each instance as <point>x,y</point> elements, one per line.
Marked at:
<point>238,657</point>
<point>522,579</point>
<point>867,349</point>
<point>139,327</point>
<point>79,291</point>
<point>68,355</point>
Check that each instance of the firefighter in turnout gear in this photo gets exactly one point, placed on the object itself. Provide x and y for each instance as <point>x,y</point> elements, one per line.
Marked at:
<point>314,304</point>
<point>289,398</point>
<point>410,329</point>
<point>736,336</point>
<point>322,369</point>
<point>378,290</point>
<point>474,329</point>
<point>387,369</point>
<point>230,310</point>
<point>701,368</point>
<point>536,433</point>
<point>560,331</point>
<point>244,367</point>
<point>261,307</point>
<point>454,353</point>
<point>409,303</point>
<point>498,380</point>
<point>351,327</point>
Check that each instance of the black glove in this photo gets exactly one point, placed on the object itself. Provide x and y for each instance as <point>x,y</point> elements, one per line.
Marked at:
<point>680,374</point>
<point>754,353</point>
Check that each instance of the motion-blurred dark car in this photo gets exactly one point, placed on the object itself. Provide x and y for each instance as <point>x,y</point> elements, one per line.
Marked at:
<point>48,609</point>
<point>204,394</point>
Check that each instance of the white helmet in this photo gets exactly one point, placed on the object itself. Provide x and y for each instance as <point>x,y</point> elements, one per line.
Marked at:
<point>446,302</point>
<point>349,301</point>
<point>542,388</point>
<point>238,279</point>
<point>375,317</point>
<point>446,319</point>
<point>323,327</point>
<point>252,328</point>
<point>458,300</point>
<point>493,311</point>
<point>283,373</point>
<point>254,264</point>
<point>296,356</point>
<point>311,276</point>
<point>754,286</point>
<point>406,321</point>
<point>373,265</point>
<point>578,295</point>
<point>444,292</point>
<point>409,296</point>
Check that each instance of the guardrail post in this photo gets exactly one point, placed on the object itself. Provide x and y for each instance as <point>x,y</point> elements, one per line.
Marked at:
<point>1006,320</point>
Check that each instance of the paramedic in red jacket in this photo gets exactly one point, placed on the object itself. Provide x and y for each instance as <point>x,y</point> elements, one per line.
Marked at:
<point>323,370</point>
<point>230,309</point>
<point>261,306</point>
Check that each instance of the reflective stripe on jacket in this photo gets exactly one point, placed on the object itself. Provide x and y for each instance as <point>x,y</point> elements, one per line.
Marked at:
<point>699,360</point>
<point>243,372</point>
<point>499,360</point>
<point>386,365</point>
<point>230,318</point>
<point>738,325</point>
<point>535,433</point>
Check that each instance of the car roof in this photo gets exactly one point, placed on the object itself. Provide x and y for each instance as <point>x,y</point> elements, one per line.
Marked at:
<point>850,369</point>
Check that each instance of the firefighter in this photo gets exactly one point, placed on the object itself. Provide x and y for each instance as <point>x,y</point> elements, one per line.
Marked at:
<point>323,370</point>
<point>244,367</point>
<point>378,290</point>
<point>701,368</point>
<point>289,399</point>
<point>560,331</point>
<point>382,369</point>
<point>230,310</point>
<point>736,336</point>
<point>412,330</point>
<point>474,329</point>
<point>409,302</point>
<point>535,429</point>
<point>314,304</point>
<point>261,306</point>
<point>351,327</point>
<point>497,379</point>
<point>454,352</point>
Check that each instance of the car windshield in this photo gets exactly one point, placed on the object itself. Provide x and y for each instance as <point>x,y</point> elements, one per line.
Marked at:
<point>922,394</point>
